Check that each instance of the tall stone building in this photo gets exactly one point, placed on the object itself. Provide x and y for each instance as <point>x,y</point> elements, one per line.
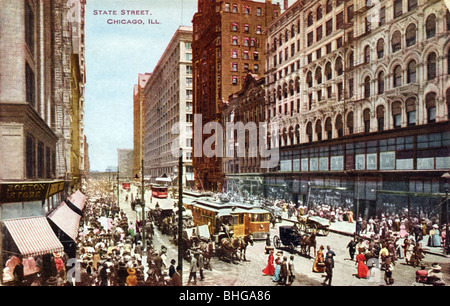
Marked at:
<point>41,90</point>
<point>139,122</point>
<point>360,90</point>
<point>68,96</point>
<point>168,110</point>
<point>228,43</point>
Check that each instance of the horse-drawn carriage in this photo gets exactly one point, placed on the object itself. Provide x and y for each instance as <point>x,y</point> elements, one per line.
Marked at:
<point>309,224</point>
<point>295,241</point>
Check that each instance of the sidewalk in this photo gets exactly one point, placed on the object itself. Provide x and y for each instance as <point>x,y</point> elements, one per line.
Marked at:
<point>348,229</point>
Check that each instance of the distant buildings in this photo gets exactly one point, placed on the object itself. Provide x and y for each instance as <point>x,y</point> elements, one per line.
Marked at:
<point>125,163</point>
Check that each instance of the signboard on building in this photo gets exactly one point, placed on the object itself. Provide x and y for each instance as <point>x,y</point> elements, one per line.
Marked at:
<point>29,191</point>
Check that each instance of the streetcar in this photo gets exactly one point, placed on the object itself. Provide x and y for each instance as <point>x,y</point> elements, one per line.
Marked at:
<point>159,191</point>
<point>242,219</point>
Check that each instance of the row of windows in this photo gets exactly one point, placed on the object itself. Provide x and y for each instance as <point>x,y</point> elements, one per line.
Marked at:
<point>235,28</point>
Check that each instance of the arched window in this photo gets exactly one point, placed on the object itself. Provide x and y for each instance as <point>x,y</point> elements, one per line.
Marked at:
<point>309,79</point>
<point>309,131</point>
<point>412,69</point>
<point>319,75</point>
<point>431,66</point>
<point>411,35</point>
<point>366,118</point>
<point>397,114</point>
<point>380,118</point>
<point>381,82</point>
<point>367,55</point>
<point>328,71</point>
<point>397,76</point>
<point>380,48</point>
<point>430,102</point>
<point>319,130</point>
<point>396,42</point>
<point>339,126</point>
<point>411,111</point>
<point>367,87</point>
<point>319,13</point>
<point>430,26</point>
<point>350,122</point>
<point>338,66</point>
<point>328,128</point>
<point>310,19</point>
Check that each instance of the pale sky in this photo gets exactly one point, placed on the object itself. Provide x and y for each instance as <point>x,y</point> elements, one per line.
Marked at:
<point>115,55</point>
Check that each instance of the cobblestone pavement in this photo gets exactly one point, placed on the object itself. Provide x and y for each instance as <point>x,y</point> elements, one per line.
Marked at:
<point>249,273</point>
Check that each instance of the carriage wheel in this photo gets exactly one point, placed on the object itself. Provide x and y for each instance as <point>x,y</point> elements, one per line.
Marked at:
<point>276,241</point>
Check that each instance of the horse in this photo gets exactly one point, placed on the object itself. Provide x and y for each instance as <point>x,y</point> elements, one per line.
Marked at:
<point>308,242</point>
<point>228,248</point>
<point>243,243</point>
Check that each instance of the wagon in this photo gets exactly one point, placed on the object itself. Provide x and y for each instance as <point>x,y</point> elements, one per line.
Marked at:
<point>289,237</point>
<point>309,224</point>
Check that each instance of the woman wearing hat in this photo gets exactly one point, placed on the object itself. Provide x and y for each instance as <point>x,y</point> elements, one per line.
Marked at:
<point>278,260</point>
<point>435,239</point>
<point>435,275</point>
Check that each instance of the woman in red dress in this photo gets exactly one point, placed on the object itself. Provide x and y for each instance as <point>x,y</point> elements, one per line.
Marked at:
<point>363,270</point>
<point>269,269</point>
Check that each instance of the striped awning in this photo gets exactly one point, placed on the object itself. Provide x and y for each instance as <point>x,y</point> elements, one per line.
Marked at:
<point>33,236</point>
<point>78,199</point>
<point>66,219</point>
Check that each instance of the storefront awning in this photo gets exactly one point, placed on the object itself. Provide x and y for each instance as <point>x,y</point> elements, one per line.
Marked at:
<point>66,219</point>
<point>78,199</point>
<point>33,236</point>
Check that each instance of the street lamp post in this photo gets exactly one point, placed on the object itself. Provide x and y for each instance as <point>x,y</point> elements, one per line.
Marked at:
<point>180,214</point>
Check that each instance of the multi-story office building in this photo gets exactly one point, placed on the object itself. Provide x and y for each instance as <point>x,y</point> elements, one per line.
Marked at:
<point>228,43</point>
<point>360,90</point>
<point>41,106</point>
<point>41,96</point>
<point>67,112</point>
<point>139,123</point>
<point>169,110</point>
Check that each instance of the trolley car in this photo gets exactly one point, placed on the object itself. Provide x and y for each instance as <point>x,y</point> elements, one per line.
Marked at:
<point>159,191</point>
<point>242,219</point>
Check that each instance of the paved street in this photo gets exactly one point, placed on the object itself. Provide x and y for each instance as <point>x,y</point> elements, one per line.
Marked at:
<point>249,273</point>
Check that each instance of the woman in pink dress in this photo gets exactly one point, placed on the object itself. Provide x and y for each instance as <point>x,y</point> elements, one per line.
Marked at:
<point>363,270</point>
<point>269,269</point>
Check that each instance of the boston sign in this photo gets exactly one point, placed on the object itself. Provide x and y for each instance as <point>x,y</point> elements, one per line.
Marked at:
<point>29,191</point>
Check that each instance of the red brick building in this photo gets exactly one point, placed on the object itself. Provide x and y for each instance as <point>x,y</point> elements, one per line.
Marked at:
<point>228,43</point>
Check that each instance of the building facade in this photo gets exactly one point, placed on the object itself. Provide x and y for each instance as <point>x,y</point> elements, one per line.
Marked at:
<point>139,123</point>
<point>169,110</point>
<point>69,78</point>
<point>245,110</point>
<point>42,64</point>
<point>228,43</point>
<point>362,103</point>
<point>125,163</point>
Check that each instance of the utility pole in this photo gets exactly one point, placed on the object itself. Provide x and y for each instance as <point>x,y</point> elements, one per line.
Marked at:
<point>118,187</point>
<point>180,214</point>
